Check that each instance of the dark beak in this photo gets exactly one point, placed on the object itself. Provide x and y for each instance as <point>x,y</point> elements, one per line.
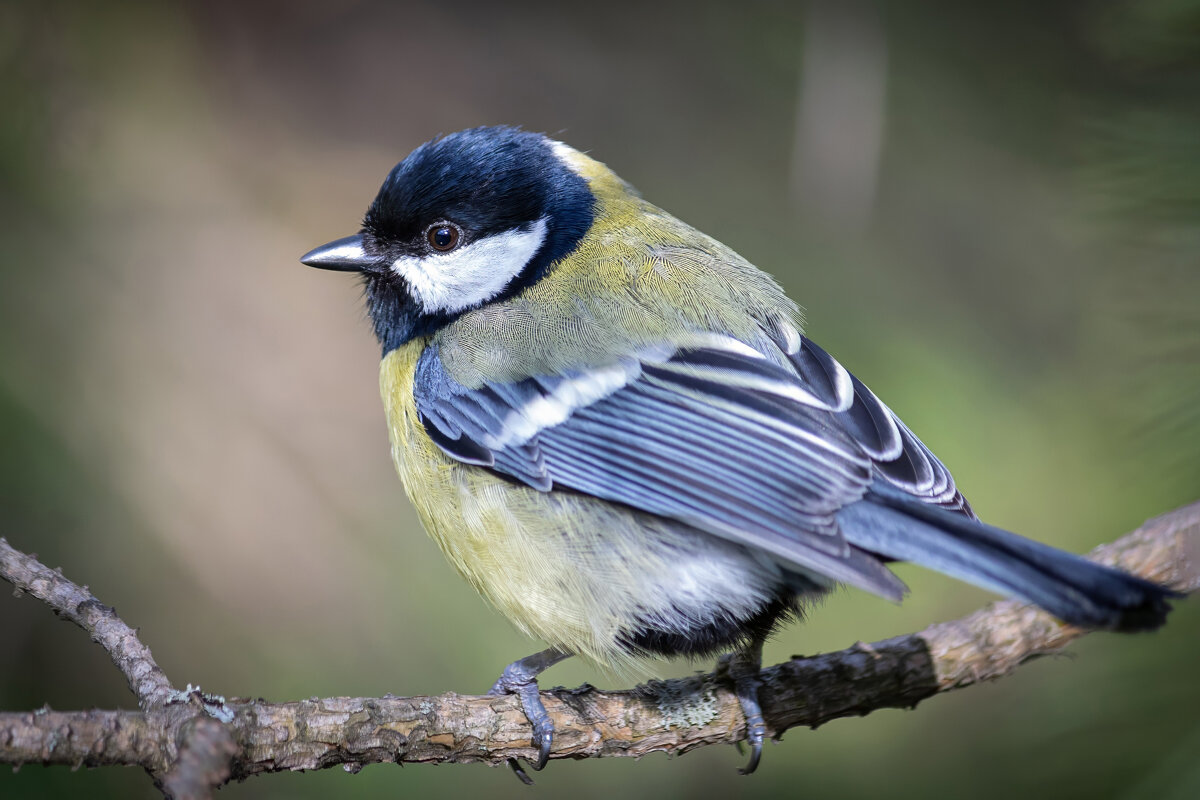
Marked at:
<point>346,255</point>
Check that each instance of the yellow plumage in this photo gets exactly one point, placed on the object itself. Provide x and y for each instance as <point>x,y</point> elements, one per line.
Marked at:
<point>565,567</point>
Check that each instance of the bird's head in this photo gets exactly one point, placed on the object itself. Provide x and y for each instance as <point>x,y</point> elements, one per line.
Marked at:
<point>464,220</point>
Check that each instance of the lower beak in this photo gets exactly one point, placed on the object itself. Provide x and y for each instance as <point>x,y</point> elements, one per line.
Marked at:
<point>346,255</point>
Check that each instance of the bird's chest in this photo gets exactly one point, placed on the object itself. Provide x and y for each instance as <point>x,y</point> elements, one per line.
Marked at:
<point>466,510</point>
<point>519,548</point>
<point>580,573</point>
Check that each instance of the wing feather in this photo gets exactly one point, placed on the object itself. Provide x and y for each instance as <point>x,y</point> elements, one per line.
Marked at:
<point>762,449</point>
<point>901,459</point>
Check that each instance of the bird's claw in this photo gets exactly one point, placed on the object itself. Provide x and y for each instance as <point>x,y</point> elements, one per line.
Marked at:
<point>744,669</point>
<point>756,730</point>
<point>520,772</point>
<point>517,679</point>
<point>543,740</point>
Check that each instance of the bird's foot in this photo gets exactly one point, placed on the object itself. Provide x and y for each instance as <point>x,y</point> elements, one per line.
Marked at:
<point>520,678</point>
<point>743,669</point>
<point>756,727</point>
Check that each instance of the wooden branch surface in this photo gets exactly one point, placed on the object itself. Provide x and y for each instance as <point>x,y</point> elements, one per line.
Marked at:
<point>147,681</point>
<point>669,716</point>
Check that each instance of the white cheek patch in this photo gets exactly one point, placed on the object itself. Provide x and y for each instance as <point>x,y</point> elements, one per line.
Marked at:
<point>472,274</point>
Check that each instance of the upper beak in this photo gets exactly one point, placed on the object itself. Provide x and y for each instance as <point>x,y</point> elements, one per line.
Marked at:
<point>345,254</point>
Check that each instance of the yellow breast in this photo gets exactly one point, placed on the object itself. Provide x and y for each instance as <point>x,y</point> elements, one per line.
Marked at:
<point>572,570</point>
<point>520,548</point>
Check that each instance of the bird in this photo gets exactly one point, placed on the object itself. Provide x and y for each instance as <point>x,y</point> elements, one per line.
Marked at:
<point>615,428</point>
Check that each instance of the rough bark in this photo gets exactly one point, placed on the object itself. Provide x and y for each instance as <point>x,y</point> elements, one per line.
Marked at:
<point>77,604</point>
<point>191,741</point>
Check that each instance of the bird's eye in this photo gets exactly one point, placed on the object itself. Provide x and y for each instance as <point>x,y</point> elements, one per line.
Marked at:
<point>443,236</point>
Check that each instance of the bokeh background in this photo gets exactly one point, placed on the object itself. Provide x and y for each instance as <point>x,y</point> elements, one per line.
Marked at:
<point>990,211</point>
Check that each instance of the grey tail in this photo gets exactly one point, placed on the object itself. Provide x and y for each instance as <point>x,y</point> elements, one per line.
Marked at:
<point>1078,591</point>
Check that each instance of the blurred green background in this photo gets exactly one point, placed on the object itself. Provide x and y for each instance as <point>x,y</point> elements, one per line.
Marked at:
<point>990,211</point>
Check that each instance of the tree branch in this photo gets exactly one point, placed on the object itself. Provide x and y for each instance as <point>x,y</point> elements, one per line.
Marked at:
<point>146,679</point>
<point>669,716</point>
<point>206,751</point>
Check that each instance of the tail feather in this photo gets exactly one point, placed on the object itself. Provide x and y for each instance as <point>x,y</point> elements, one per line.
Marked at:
<point>1072,588</point>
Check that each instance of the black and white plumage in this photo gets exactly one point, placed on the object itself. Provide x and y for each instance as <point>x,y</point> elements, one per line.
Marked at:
<point>614,429</point>
<point>804,464</point>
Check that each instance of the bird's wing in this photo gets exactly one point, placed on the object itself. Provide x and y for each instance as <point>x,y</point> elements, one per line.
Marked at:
<point>757,449</point>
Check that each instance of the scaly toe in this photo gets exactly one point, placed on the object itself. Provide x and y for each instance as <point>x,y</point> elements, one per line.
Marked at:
<point>520,678</point>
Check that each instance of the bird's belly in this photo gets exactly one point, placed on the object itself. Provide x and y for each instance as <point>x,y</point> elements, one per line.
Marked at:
<point>594,578</point>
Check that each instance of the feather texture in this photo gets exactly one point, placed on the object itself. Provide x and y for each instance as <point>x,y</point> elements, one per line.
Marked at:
<point>719,436</point>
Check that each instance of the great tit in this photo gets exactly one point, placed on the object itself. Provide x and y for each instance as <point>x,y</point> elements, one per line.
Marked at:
<point>614,428</point>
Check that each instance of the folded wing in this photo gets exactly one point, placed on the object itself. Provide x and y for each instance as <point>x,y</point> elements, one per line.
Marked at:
<point>760,448</point>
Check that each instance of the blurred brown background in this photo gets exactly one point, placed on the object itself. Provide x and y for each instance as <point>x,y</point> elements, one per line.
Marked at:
<point>989,210</point>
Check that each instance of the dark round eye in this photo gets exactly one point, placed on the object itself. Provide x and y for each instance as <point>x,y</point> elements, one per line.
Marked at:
<point>443,236</point>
